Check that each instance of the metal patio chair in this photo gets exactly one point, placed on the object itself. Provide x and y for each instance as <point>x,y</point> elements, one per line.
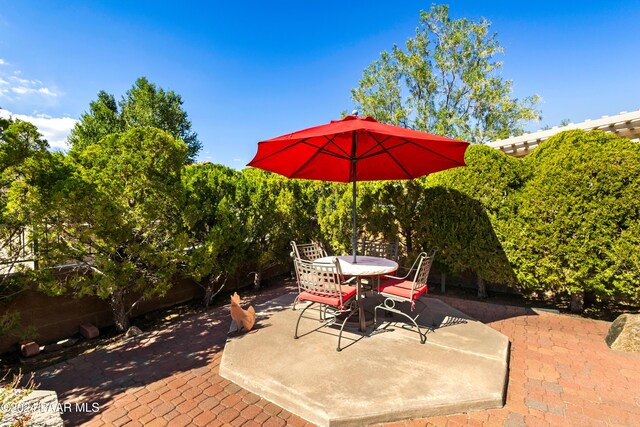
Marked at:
<point>307,251</point>
<point>382,249</point>
<point>402,290</point>
<point>324,284</point>
<point>388,250</point>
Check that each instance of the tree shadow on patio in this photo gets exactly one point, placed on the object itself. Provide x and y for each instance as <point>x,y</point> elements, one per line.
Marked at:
<point>143,369</point>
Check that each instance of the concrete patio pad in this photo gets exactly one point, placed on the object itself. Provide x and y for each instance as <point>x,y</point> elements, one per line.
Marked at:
<point>387,376</point>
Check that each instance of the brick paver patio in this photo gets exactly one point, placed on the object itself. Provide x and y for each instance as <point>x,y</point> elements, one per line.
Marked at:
<point>561,373</point>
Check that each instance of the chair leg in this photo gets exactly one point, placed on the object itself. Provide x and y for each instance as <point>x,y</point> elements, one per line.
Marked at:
<point>375,317</point>
<point>423,337</point>
<point>295,334</point>
<point>323,313</point>
<point>295,302</point>
<point>391,308</point>
<point>342,328</point>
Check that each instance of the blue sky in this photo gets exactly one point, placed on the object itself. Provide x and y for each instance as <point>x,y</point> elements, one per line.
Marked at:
<point>249,71</point>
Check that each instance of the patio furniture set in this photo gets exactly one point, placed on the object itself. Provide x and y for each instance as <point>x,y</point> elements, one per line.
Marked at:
<point>335,284</point>
<point>350,150</point>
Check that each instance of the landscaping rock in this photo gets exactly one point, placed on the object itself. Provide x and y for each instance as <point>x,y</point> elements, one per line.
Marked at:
<point>50,348</point>
<point>133,331</point>
<point>47,409</point>
<point>89,331</point>
<point>68,342</point>
<point>30,349</point>
<point>624,333</point>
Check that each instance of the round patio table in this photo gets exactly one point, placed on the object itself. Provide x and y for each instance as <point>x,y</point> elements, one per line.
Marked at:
<point>365,266</point>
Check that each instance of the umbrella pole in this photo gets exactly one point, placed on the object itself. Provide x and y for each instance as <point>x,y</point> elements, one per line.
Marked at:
<point>354,241</point>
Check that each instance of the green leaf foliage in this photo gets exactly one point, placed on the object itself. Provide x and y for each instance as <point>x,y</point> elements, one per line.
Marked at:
<point>119,215</point>
<point>26,169</point>
<point>144,105</point>
<point>468,214</point>
<point>24,162</point>
<point>394,209</point>
<point>277,210</point>
<point>335,217</point>
<point>214,221</point>
<point>578,216</point>
<point>445,80</point>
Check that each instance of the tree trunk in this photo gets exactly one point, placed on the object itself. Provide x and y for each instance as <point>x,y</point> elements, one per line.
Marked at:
<point>577,302</point>
<point>209,294</point>
<point>120,315</point>
<point>407,236</point>
<point>257,279</point>
<point>482,287</point>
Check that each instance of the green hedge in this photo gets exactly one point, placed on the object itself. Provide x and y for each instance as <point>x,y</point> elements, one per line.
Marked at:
<point>578,217</point>
<point>565,219</point>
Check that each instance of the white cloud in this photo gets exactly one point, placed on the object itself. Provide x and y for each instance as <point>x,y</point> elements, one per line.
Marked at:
<point>23,90</point>
<point>14,88</point>
<point>53,129</point>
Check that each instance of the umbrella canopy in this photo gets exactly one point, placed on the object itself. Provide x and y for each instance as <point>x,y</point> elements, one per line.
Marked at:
<point>358,149</point>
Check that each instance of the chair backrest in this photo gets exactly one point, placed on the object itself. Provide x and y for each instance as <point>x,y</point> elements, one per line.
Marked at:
<point>422,272</point>
<point>308,251</point>
<point>380,249</point>
<point>322,279</point>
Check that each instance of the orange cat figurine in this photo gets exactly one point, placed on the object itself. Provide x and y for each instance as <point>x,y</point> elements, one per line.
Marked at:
<point>243,318</point>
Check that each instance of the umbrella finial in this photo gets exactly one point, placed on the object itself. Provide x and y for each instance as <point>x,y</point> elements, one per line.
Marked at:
<point>355,113</point>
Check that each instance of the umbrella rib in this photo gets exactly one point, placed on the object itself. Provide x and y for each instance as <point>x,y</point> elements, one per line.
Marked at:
<point>280,151</point>
<point>407,141</point>
<point>385,150</point>
<point>327,152</point>
<point>366,154</point>
<point>377,153</point>
<point>436,153</point>
<point>346,155</point>
<point>320,150</point>
<point>304,141</point>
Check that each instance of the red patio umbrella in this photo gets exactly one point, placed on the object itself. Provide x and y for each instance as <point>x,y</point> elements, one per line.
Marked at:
<point>358,149</point>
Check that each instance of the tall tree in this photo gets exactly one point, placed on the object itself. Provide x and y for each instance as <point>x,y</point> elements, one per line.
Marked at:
<point>24,170</point>
<point>21,149</point>
<point>119,216</point>
<point>446,80</point>
<point>144,105</point>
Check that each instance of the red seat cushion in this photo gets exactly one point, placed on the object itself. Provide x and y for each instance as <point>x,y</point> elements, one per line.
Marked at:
<point>347,292</point>
<point>402,288</point>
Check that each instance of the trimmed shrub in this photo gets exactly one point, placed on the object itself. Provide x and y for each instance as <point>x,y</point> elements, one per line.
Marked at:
<point>277,211</point>
<point>214,221</point>
<point>334,212</point>
<point>578,217</point>
<point>469,214</point>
